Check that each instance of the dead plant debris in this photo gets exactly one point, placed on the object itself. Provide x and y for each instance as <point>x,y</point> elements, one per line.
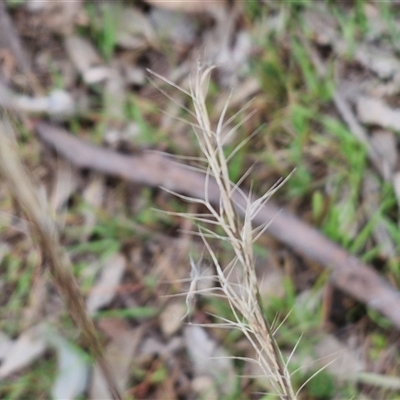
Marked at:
<point>320,85</point>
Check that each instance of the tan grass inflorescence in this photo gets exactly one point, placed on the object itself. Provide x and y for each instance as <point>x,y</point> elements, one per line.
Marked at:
<point>243,297</point>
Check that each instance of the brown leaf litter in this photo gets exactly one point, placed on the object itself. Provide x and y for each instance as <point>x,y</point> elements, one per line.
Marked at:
<point>88,183</point>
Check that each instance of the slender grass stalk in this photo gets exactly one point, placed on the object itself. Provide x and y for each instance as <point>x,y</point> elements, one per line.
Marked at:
<point>244,298</point>
<point>44,233</point>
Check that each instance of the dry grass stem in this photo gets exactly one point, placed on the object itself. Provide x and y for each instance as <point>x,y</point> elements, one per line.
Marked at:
<point>44,233</point>
<point>244,298</point>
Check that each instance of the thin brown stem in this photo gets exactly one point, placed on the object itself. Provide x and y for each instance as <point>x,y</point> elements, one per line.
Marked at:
<point>44,233</point>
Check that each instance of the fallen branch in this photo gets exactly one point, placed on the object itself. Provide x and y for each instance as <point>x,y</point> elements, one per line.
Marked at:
<point>348,273</point>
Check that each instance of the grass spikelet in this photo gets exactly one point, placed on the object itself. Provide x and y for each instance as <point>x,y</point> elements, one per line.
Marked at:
<point>244,298</point>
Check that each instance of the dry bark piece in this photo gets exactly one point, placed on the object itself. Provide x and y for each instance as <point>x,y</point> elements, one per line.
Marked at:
<point>348,273</point>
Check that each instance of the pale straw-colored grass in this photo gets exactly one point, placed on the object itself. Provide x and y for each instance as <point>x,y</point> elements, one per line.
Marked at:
<point>243,296</point>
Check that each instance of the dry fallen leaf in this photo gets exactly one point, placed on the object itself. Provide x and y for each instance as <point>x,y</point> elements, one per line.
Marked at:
<point>321,24</point>
<point>107,285</point>
<point>383,63</point>
<point>72,368</point>
<point>271,280</point>
<point>120,354</point>
<point>29,346</point>
<point>134,30</point>
<point>174,26</point>
<point>338,358</point>
<point>205,388</point>
<point>93,194</point>
<point>209,359</point>
<point>115,94</point>
<point>59,16</point>
<point>58,104</point>
<point>323,28</point>
<point>86,59</point>
<point>66,182</point>
<point>5,343</point>
<point>232,59</point>
<point>171,317</point>
<point>376,112</point>
<point>385,143</point>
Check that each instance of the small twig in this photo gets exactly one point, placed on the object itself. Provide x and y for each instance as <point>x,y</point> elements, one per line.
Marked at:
<point>44,232</point>
<point>348,273</point>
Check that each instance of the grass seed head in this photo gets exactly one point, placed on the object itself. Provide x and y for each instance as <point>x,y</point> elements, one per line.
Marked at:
<point>243,296</point>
